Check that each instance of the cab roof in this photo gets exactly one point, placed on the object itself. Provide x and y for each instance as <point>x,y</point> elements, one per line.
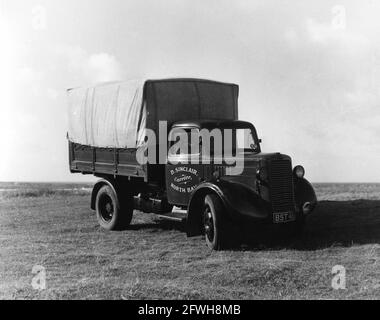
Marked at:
<point>212,123</point>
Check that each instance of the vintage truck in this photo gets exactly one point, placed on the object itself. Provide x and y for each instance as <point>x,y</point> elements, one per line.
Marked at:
<point>108,126</point>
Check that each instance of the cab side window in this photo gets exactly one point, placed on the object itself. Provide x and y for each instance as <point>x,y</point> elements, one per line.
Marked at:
<point>184,142</point>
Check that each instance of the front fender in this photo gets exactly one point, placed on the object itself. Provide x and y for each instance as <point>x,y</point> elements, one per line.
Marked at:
<point>240,201</point>
<point>304,192</point>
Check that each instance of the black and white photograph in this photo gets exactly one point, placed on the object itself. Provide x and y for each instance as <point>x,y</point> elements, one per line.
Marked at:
<point>186,157</point>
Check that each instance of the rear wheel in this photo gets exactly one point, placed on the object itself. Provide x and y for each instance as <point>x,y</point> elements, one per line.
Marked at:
<point>112,213</point>
<point>214,225</point>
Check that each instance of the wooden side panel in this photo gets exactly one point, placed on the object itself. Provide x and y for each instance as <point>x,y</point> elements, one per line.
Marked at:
<point>120,162</point>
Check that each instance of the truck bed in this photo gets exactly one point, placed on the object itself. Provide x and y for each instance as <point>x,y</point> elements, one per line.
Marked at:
<point>105,161</point>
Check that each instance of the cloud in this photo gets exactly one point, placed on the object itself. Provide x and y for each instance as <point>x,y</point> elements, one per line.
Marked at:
<point>103,67</point>
<point>91,68</point>
<point>27,75</point>
<point>334,72</point>
<point>327,34</point>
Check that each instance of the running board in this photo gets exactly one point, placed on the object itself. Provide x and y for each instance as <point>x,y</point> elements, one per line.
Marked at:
<point>175,215</point>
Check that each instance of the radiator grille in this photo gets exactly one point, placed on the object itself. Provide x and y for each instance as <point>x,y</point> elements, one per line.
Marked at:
<point>281,186</point>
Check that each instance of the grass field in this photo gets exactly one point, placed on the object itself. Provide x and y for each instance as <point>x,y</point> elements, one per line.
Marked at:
<point>52,226</point>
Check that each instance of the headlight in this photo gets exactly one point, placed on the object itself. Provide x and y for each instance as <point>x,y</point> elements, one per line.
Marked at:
<point>258,172</point>
<point>216,175</point>
<point>306,208</point>
<point>299,172</point>
<point>261,174</point>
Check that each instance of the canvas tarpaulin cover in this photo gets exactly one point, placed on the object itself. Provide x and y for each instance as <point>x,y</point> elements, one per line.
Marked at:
<point>107,115</point>
<point>174,100</point>
<point>115,115</point>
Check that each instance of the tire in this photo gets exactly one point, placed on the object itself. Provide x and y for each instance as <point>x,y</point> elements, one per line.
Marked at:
<point>113,214</point>
<point>214,224</point>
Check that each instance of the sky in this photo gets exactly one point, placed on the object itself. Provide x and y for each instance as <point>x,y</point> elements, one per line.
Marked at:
<point>309,73</point>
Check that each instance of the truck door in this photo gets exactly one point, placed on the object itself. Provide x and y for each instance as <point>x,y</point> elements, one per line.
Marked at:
<point>183,171</point>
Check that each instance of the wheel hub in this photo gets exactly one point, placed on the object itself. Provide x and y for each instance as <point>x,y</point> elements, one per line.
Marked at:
<point>106,208</point>
<point>208,224</point>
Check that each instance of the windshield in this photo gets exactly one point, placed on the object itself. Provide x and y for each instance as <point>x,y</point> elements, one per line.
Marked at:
<point>240,140</point>
<point>245,141</point>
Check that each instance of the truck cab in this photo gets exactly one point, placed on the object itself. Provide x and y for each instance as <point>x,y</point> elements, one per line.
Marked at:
<point>255,187</point>
<point>206,159</point>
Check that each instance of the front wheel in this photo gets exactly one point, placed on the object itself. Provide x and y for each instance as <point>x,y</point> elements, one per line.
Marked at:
<point>113,214</point>
<point>214,225</point>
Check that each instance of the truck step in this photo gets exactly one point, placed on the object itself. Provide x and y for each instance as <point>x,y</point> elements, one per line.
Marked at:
<point>175,215</point>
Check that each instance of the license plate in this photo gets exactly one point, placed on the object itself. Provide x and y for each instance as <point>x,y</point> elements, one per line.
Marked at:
<point>284,217</point>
